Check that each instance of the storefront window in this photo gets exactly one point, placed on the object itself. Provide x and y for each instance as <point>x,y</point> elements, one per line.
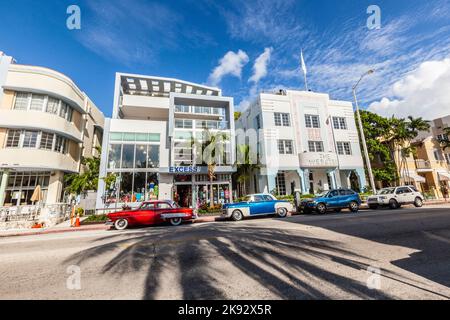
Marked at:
<point>114,156</point>
<point>128,156</point>
<point>153,156</point>
<point>139,187</point>
<point>141,156</point>
<point>126,190</point>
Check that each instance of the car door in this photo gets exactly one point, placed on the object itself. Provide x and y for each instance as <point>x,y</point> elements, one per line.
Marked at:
<point>145,214</point>
<point>344,198</point>
<point>269,206</point>
<point>333,199</point>
<point>401,195</point>
<point>161,208</point>
<point>257,205</point>
<point>409,195</point>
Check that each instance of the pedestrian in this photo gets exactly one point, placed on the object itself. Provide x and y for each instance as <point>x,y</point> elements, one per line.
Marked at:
<point>445,192</point>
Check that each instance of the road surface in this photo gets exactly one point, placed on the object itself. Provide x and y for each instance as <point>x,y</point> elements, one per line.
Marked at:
<point>402,254</point>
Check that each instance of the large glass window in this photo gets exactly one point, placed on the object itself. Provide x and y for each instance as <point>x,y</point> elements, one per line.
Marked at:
<point>282,119</point>
<point>115,151</point>
<point>344,148</point>
<point>21,101</point>
<point>52,105</point>
<point>315,146</point>
<point>128,156</point>
<point>47,141</point>
<point>139,186</point>
<point>285,147</point>
<point>312,121</point>
<point>13,139</point>
<point>37,102</point>
<point>141,156</point>
<point>30,139</point>
<point>126,187</point>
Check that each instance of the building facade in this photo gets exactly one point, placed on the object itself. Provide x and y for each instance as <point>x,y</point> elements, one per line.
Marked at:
<point>428,167</point>
<point>152,146</point>
<point>304,141</point>
<point>47,124</point>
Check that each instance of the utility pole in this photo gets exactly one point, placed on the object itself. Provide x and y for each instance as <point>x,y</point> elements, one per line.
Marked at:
<point>363,137</point>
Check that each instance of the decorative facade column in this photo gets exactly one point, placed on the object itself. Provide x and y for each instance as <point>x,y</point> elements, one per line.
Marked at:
<point>3,184</point>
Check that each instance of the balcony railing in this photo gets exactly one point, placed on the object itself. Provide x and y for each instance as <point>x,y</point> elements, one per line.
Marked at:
<point>431,164</point>
<point>201,110</point>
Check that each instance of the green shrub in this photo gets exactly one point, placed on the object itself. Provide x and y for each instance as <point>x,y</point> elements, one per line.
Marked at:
<point>97,218</point>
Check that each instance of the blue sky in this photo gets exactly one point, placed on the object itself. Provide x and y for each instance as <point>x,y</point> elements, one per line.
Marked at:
<point>243,46</point>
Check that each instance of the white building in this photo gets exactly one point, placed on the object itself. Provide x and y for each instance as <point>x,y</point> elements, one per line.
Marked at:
<point>305,141</point>
<point>150,143</point>
<point>47,124</point>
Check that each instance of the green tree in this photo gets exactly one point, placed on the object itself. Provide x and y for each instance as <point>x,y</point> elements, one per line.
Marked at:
<point>246,164</point>
<point>237,115</point>
<point>77,184</point>
<point>445,141</point>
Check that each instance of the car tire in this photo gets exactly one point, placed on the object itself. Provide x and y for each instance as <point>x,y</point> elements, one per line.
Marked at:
<point>176,221</point>
<point>321,208</point>
<point>393,204</point>
<point>418,202</point>
<point>373,207</point>
<point>237,215</point>
<point>121,224</point>
<point>282,212</point>
<point>353,206</point>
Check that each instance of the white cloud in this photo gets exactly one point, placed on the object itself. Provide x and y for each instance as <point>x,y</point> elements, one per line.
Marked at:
<point>260,66</point>
<point>231,64</point>
<point>422,93</point>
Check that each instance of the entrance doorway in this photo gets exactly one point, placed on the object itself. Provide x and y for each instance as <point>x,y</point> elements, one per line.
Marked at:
<point>183,195</point>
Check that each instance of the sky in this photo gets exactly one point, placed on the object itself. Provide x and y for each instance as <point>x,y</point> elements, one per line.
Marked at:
<point>245,47</point>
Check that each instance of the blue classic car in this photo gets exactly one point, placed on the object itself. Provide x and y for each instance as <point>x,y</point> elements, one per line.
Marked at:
<point>257,205</point>
<point>332,200</point>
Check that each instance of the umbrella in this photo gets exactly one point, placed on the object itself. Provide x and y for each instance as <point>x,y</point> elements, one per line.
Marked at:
<point>37,195</point>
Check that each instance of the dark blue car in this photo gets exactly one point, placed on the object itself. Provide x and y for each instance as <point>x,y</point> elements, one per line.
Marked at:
<point>335,200</point>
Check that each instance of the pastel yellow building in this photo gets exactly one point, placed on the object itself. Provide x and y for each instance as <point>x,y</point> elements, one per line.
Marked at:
<point>428,168</point>
<point>47,124</point>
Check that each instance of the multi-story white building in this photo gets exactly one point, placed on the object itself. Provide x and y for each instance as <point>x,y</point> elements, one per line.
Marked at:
<point>47,124</point>
<point>305,141</point>
<point>151,142</point>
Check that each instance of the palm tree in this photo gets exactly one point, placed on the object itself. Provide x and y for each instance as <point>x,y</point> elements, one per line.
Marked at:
<point>77,184</point>
<point>245,166</point>
<point>212,147</point>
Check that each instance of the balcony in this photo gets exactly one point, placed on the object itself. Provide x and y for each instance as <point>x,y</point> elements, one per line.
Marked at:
<point>199,110</point>
<point>430,165</point>
<point>318,160</point>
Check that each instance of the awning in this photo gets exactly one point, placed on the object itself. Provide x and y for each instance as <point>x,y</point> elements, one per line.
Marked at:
<point>414,176</point>
<point>444,176</point>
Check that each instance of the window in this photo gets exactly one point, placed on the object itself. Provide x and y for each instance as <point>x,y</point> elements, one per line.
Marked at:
<point>280,182</point>
<point>164,205</point>
<point>47,141</point>
<point>312,121</point>
<point>267,198</point>
<point>339,123</point>
<point>285,147</point>
<point>115,151</point>
<point>258,122</point>
<point>447,157</point>
<point>13,139</point>
<point>258,198</point>
<point>61,144</point>
<point>52,105</point>
<point>344,148</point>
<point>21,101</point>
<point>315,146</point>
<point>63,110</point>
<point>128,156</point>
<point>30,139</point>
<point>282,119</point>
<point>37,102</point>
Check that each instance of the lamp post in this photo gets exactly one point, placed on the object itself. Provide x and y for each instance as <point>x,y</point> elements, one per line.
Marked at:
<point>363,137</point>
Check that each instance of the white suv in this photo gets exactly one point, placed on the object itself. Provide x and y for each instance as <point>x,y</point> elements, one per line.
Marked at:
<point>396,197</point>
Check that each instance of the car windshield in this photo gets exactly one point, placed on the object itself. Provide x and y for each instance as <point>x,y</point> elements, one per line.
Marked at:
<point>386,191</point>
<point>323,194</point>
<point>246,198</point>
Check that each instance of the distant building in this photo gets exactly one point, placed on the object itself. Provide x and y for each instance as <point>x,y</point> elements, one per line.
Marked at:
<point>150,144</point>
<point>46,125</point>
<point>306,142</point>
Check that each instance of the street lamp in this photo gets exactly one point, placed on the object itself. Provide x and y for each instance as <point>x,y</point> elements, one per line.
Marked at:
<point>363,137</point>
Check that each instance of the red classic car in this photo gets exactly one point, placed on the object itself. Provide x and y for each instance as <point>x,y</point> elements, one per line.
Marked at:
<point>150,213</point>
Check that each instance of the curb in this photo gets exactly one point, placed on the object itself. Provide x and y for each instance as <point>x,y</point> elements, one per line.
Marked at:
<point>50,231</point>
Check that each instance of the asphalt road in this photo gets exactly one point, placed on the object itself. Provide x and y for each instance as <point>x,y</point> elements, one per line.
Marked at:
<point>403,254</point>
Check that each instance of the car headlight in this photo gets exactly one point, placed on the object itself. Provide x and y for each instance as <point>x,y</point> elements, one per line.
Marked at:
<point>383,198</point>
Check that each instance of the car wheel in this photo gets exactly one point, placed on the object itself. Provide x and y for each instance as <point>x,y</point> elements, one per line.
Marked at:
<point>175,221</point>
<point>354,206</point>
<point>321,208</point>
<point>282,212</point>
<point>418,202</point>
<point>393,204</point>
<point>373,206</point>
<point>237,215</point>
<point>121,224</point>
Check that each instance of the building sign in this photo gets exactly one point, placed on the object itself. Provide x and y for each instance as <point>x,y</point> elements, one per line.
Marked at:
<point>184,170</point>
<point>318,160</point>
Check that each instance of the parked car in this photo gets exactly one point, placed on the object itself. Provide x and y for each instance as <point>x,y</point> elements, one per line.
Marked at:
<point>336,200</point>
<point>395,197</point>
<point>257,205</point>
<point>151,213</point>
